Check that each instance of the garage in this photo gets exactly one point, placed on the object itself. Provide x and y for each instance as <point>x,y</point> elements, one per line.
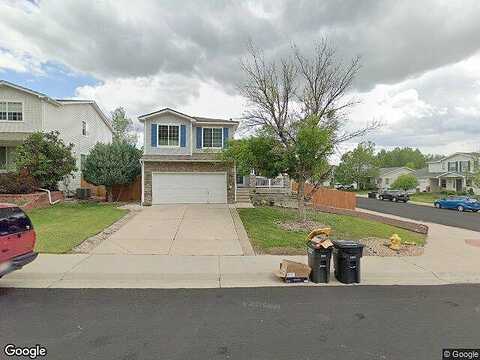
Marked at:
<point>189,188</point>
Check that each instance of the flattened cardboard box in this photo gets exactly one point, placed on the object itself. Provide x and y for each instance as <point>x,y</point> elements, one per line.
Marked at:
<point>292,269</point>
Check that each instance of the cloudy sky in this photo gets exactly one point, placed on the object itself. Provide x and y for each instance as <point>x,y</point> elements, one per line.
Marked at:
<point>420,73</point>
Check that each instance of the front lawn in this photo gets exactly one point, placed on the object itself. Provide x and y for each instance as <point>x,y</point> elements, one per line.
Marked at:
<point>267,237</point>
<point>426,197</point>
<point>61,227</point>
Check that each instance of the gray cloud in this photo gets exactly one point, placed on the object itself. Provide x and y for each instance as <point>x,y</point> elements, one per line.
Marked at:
<point>206,39</point>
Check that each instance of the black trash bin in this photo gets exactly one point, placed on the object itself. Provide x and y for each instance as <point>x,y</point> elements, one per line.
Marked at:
<point>346,258</point>
<point>319,262</point>
<point>372,195</point>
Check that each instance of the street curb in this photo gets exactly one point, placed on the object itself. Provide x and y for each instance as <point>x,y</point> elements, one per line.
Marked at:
<point>243,238</point>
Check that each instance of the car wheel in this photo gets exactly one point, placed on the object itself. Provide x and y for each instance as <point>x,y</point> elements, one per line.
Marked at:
<point>460,208</point>
<point>438,206</point>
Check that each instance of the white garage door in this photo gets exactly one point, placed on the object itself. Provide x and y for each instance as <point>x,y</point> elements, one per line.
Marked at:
<point>189,188</point>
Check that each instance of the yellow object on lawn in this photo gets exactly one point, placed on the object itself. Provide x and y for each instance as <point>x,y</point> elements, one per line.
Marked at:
<point>395,242</point>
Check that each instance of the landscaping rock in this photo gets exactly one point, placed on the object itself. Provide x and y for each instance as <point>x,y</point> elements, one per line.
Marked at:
<point>379,247</point>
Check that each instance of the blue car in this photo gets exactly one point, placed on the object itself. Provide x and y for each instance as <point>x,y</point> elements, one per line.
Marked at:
<point>461,203</point>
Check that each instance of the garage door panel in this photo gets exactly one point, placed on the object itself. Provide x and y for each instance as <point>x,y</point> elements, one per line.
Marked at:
<point>189,188</point>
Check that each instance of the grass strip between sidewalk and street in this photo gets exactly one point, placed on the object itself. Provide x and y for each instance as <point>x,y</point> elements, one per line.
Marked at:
<point>262,226</point>
<point>61,227</point>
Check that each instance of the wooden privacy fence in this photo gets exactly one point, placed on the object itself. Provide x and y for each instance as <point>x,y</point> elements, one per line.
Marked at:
<point>329,197</point>
<point>130,192</point>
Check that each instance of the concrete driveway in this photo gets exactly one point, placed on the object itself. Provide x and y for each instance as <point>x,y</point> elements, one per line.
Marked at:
<point>176,230</point>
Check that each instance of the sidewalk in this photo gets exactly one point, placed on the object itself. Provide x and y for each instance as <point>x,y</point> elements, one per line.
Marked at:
<point>447,260</point>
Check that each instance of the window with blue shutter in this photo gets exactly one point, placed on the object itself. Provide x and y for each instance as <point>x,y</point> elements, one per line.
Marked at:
<point>183,135</point>
<point>199,137</point>
<point>225,137</point>
<point>154,135</point>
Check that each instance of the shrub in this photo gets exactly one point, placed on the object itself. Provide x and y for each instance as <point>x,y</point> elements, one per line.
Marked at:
<point>46,158</point>
<point>405,182</point>
<point>14,183</point>
<point>117,163</point>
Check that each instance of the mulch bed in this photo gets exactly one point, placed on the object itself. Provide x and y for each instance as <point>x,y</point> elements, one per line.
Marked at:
<point>379,247</point>
<point>373,246</point>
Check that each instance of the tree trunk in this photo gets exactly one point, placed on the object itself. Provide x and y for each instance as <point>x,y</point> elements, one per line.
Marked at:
<point>109,193</point>
<point>301,200</point>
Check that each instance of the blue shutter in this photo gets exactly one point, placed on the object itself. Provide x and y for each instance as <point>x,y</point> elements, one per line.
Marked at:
<point>225,137</point>
<point>154,135</point>
<point>183,135</point>
<point>199,137</point>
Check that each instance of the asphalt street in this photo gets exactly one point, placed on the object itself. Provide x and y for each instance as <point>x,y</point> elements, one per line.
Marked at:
<point>464,220</point>
<point>351,322</point>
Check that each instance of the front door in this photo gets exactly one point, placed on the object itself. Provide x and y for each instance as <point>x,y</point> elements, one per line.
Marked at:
<point>459,185</point>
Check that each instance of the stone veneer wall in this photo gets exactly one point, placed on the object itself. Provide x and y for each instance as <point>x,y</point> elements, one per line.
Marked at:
<point>187,166</point>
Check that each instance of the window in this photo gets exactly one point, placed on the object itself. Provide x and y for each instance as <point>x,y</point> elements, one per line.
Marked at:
<point>464,166</point>
<point>13,220</point>
<point>212,137</point>
<point>11,111</point>
<point>468,182</point>
<point>443,183</point>
<point>3,158</point>
<point>452,166</point>
<point>168,135</point>
<point>83,158</point>
<point>84,128</point>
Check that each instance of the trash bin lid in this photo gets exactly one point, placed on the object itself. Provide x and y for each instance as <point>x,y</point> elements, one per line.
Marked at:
<point>346,244</point>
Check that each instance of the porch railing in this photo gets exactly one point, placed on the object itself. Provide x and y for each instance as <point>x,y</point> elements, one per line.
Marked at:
<point>263,182</point>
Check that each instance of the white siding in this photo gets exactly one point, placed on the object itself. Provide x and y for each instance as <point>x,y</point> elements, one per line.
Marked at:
<point>443,165</point>
<point>435,167</point>
<point>32,111</point>
<point>163,150</point>
<point>67,119</point>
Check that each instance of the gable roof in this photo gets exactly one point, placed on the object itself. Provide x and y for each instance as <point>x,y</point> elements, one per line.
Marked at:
<point>60,102</point>
<point>29,91</point>
<point>193,119</point>
<point>95,106</point>
<point>388,170</point>
<point>474,154</point>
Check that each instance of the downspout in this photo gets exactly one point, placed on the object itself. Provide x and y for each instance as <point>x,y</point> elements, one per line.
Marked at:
<point>49,196</point>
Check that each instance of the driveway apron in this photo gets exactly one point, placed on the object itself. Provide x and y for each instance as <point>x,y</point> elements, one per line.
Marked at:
<point>191,229</point>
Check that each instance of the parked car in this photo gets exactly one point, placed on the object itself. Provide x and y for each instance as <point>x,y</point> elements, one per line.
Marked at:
<point>345,187</point>
<point>461,203</point>
<point>17,239</point>
<point>394,195</point>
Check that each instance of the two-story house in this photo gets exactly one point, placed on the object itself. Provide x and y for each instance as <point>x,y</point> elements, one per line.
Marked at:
<point>180,163</point>
<point>451,173</point>
<point>24,111</point>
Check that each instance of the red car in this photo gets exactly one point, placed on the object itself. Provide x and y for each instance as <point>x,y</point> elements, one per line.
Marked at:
<point>17,239</point>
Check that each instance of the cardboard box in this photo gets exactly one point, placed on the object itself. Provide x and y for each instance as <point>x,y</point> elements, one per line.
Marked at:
<point>290,270</point>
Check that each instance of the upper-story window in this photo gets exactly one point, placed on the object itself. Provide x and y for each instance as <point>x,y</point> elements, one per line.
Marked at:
<point>168,135</point>
<point>212,137</point>
<point>11,111</point>
<point>84,128</point>
<point>465,166</point>
<point>452,166</point>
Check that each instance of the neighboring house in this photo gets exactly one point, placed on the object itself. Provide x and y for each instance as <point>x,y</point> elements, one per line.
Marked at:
<point>387,176</point>
<point>180,162</point>
<point>451,173</point>
<point>24,111</point>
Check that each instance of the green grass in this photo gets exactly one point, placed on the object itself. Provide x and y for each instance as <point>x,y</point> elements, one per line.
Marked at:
<point>426,197</point>
<point>268,237</point>
<point>63,226</point>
